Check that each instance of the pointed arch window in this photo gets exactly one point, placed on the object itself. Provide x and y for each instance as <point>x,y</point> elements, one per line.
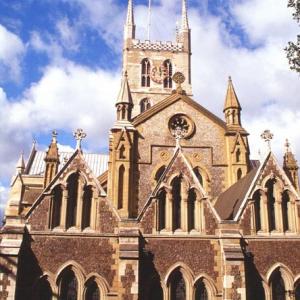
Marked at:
<point>121,187</point>
<point>168,74</point>
<point>57,205</point>
<point>277,286</point>
<point>257,209</point>
<point>44,291</point>
<point>92,291</point>
<point>69,286</point>
<point>191,209</point>
<point>162,210</point>
<point>176,195</point>
<point>271,204</point>
<point>285,211</point>
<point>87,207</point>
<point>238,155</point>
<point>201,292</point>
<point>145,72</point>
<point>145,104</point>
<point>73,190</point>
<point>198,175</point>
<point>177,286</point>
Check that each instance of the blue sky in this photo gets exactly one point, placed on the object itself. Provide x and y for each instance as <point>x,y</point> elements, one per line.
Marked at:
<point>60,66</point>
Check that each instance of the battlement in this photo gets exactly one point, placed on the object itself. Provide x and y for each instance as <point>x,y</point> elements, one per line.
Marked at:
<point>158,46</point>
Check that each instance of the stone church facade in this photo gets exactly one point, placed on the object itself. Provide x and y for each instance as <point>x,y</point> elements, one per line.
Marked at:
<point>176,211</point>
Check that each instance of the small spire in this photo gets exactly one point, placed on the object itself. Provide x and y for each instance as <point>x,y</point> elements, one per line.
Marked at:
<point>231,100</point>
<point>130,14</point>
<point>21,164</point>
<point>52,153</point>
<point>79,135</point>
<point>185,20</point>
<point>125,93</point>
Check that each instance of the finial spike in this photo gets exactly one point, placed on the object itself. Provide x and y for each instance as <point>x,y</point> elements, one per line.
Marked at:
<point>130,14</point>
<point>287,146</point>
<point>54,136</point>
<point>79,135</point>
<point>21,164</point>
<point>267,136</point>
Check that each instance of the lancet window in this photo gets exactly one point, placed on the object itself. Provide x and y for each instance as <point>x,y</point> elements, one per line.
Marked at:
<point>87,206</point>
<point>68,286</point>
<point>257,209</point>
<point>92,291</point>
<point>285,204</point>
<point>168,69</point>
<point>146,66</point>
<point>176,195</point>
<point>73,190</point>
<point>145,104</point>
<point>121,187</point>
<point>56,206</point>
<point>239,174</point>
<point>200,292</point>
<point>271,204</point>
<point>191,209</point>
<point>277,286</point>
<point>297,291</point>
<point>162,210</point>
<point>177,286</point>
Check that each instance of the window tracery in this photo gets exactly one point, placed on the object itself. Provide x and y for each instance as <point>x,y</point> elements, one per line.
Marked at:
<point>145,72</point>
<point>168,70</point>
<point>145,104</point>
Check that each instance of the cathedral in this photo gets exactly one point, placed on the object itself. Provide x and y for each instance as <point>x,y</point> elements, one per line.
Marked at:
<point>177,209</point>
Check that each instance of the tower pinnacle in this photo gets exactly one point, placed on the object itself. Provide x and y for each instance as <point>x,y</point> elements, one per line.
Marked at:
<point>185,20</point>
<point>129,32</point>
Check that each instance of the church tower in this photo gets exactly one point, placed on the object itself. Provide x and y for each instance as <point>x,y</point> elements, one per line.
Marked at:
<point>151,64</point>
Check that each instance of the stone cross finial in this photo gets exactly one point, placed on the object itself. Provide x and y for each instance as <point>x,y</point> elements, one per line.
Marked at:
<point>54,136</point>
<point>79,135</point>
<point>287,146</point>
<point>267,136</point>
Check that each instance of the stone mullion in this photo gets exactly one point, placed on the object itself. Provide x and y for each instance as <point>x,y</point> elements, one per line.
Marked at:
<point>93,216</point>
<point>80,193</point>
<point>292,216</point>
<point>184,211</point>
<point>169,211</point>
<point>253,218</point>
<point>264,212</point>
<point>198,215</point>
<point>278,211</point>
<point>64,207</point>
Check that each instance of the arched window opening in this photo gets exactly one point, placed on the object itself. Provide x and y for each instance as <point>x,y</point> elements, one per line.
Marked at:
<point>122,152</point>
<point>238,155</point>
<point>121,187</point>
<point>239,174</point>
<point>176,193</point>
<point>44,291</point>
<point>57,201</point>
<point>191,209</point>
<point>297,291</point>
<point>285,211</point>
<point>73,186</point>
<point>177,286</point>
<point>201,292</point>
<point>257,210</point>
<point>145,73</point>
<point>198,175</point>
<point>162,210</point>
<point>145,104</point>
<point>92,291</point>
<point>271,204</point>
<point>69,286</point>
<point>87,206</point>
<point>277,286</point>
<point>159,173</point>
<point>155,291</point>
<point>168,74</point>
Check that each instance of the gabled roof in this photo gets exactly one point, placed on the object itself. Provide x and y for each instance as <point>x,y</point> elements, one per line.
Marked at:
<point>156,108</point>
<point>77,153</point>
<point>231,203</point>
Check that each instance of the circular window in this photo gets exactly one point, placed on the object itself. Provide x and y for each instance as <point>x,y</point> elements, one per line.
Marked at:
<point>181,126</point>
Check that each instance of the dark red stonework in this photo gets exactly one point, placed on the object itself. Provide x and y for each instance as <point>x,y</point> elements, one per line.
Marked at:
<point>40,216</point>
<point>246,221</point>
<point>127,281</point>
<point>107,219</point>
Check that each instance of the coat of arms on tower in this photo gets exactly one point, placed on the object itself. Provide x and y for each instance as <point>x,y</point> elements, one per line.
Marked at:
<point>159,73</point>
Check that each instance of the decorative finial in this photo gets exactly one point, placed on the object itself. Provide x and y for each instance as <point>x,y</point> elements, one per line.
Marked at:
<point>287,146</point>
<point>179,79</point>
<point>79,135</point>
<point>267,136</point>
<point>54,136</point>
<point>21,164</point>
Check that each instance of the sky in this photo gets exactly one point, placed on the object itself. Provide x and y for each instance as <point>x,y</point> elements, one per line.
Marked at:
<point>60,68</point>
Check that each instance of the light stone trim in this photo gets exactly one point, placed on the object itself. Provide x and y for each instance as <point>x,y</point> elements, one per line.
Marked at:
<point>159,46</point>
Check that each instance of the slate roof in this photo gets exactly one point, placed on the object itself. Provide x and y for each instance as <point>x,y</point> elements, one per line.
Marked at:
<point>98,163</point>
<point>229,202</point>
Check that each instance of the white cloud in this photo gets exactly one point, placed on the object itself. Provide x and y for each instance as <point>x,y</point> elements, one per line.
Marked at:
<point>11,52</point>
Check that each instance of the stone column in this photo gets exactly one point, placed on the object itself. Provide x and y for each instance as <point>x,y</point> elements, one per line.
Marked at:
<point>169,211</point>
<point>278,211</point>
<point>64,207</point>
<point>264,212</point>
<point>184,211</point>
